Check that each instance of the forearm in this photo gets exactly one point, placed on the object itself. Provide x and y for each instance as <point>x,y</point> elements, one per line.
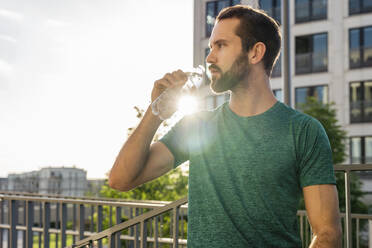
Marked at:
<point>133,155</point>
<point>327,239</point>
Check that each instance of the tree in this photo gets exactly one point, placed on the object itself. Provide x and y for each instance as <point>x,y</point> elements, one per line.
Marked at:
<point>169,187</point>
<point>326,115</point>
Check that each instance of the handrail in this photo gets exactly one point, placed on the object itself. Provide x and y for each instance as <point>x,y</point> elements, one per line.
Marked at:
<point>353,167</point>
<point>91,202</point>
<point>139,220</point>
<point>78,197</point>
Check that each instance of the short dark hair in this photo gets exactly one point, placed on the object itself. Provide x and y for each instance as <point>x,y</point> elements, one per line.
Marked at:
<point>256,26</point>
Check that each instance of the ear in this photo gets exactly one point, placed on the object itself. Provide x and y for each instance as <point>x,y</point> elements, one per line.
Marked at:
<point>257,53</point>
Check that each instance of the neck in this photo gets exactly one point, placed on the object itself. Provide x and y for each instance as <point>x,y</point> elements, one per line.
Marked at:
<point>252,96</point>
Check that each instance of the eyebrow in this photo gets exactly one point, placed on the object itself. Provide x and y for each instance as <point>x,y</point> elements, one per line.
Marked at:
<point>217,42</point>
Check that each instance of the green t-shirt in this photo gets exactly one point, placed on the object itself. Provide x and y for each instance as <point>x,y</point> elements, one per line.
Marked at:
<point>247,173</point>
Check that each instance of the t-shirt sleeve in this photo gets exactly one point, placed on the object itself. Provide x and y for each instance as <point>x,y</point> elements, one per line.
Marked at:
<point>176,141</point>
<point>314,155</point>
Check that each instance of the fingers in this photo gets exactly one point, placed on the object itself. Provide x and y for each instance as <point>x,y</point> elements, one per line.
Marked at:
<point>170,80</point>
<point>176,78</point>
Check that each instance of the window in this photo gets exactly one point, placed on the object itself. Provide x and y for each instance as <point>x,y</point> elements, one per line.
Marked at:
<point>319,92</point>
<point>272,8</point>
<point>359,6</point>
<point>361,150</point>
<point>360,47</point>
<point>277,70</point>
<point>278,94</point>
<point>212,10</point>
<point>311,53</point>
<point>310,10</point>
<point>361,102</point>
<point>214,101</point>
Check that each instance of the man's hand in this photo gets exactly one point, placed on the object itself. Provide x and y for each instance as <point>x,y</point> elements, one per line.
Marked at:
<point>170,80</point>
<point>321,203</point>
<point>165,106</point>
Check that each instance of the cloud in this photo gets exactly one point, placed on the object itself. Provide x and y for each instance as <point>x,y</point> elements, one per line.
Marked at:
<point>55,23</point>
<point>5,67</point>
<point>12,15</point>
<point>8,38</point>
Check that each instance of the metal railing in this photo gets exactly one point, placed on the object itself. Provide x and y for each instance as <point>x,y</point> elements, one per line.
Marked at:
<point>143,220</point>
<point>29,220</point>
<point>32,220</point>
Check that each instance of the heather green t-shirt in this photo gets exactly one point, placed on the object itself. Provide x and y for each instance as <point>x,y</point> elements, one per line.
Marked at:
<point>247,173</point>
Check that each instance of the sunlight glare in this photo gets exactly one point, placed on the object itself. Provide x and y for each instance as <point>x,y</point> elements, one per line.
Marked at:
<point>187,105</point>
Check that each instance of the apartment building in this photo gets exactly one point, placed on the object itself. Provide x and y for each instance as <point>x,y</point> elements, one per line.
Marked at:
<point>330,59</point>
<point>67,181</point>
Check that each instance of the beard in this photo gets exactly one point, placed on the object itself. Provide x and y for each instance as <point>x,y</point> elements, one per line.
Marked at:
<point>228,80</point>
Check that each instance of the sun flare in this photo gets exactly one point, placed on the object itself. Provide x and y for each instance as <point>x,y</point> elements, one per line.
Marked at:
<point>187,105</point>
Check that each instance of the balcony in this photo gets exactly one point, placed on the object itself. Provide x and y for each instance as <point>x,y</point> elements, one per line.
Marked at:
<point>311,62</point>
<point>31,220</point>
<point>360,111</point>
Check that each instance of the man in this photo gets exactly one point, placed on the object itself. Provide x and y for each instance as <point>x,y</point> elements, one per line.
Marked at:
<point>250,159</point>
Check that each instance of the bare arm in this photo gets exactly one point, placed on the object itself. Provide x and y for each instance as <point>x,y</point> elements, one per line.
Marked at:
<point>321,203</point>
<point>139,161</point>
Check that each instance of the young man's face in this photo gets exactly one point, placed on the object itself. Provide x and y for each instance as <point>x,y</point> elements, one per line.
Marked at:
<point>228,63</point>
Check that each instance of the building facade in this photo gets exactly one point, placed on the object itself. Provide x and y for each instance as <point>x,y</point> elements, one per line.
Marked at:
<point>330,59</point>
<point>3,184</point>
<point>67,181</point>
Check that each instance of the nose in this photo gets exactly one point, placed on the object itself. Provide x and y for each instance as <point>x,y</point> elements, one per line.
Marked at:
<point>211,58</point>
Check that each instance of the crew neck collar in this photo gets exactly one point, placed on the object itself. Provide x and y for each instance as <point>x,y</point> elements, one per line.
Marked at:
<point>263,114</point>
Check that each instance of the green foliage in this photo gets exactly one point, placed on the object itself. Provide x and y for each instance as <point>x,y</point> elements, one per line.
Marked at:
<point>169,187</point>
<point>326,114</point>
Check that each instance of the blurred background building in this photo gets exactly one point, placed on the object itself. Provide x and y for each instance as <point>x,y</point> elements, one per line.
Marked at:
<point>67,181</point>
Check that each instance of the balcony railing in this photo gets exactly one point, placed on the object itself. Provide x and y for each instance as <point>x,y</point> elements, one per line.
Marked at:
<point>360,111</point>
<point>30,220</point>
<point>311,62</point>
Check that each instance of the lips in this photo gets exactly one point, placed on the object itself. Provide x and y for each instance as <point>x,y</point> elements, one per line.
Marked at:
<point>214,69</point>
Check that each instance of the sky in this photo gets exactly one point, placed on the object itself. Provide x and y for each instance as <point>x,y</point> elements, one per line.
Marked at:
<point>71,72</point>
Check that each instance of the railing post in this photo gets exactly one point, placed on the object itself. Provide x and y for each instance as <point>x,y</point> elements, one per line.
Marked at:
<point>57,222</point>
<point>110,219</point>
<point>13,213</point>
<point>46,223</point>
<point>24,224</point>
<point>74,221</point>
<point>92,218</point>
<point>357,232</point>
<point>29,223</point>
<point>99,223</point>
<point>63,210</point>
<point>348,210</point>
<point>370,233</point>
<point>144,234</point>
<point>111,241</point>
<point>1,221</point>
<point>136,231</point>
<point>81,221</point>
<point>40,222</point>
<point>118,220</point>
<point>156,231</point>
<point>176,213</point>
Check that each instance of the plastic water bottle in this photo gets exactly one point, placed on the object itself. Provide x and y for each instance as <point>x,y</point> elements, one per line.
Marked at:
<point>166,104</point>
